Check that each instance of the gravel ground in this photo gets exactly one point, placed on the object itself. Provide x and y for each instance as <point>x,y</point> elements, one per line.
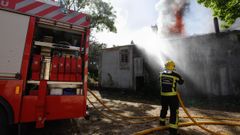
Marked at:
<point>99,125</point>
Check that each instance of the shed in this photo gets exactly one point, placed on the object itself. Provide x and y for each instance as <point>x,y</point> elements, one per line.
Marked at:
<point>122,67</point>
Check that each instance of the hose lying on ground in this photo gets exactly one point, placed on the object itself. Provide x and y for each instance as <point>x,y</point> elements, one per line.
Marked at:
<point>151,117</point>
<point>123,116</point>
<point>193,120</point>
<point>151,130</point>
<point>154,117</point>
<point>118,121</point>
<point>147,131</point>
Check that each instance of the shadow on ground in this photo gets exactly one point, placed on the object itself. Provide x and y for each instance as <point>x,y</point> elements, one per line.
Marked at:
<point>224,103</point>
<point>129,96</point>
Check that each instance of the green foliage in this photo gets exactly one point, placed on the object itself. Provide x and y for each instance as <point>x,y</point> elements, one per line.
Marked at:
<point>225,10</point>
<point>101,13</point>
<point>95,50</point>
<point>102,17</point>
<point>94,55</point>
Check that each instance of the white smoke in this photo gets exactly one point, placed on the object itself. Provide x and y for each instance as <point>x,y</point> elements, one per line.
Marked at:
<point>196,18</point>
<point>167,10</point>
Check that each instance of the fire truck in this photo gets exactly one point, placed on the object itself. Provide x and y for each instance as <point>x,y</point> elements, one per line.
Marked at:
<point>43,62</point>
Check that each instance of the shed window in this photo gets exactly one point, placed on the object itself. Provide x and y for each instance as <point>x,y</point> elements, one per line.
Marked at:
<point>124,59</point>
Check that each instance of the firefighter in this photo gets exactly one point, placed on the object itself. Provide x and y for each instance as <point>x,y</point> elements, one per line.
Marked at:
<point>168,83</point>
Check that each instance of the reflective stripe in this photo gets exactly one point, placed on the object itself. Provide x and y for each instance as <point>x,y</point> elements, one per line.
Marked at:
<point>38,9</point>
<point>161,119</point>
<point>168,93</point>
<point>24,4</point>
<point>173,93</point>
<point>173,126</point>
<point>160,84</point>
<point>166,83</point>
<point>80,21</point>
<point>52,14</point>
<point>176,78</point>
<point>177,117</point>
<point>176,122</point>
<point>68,17</point>
<point>173,87</point>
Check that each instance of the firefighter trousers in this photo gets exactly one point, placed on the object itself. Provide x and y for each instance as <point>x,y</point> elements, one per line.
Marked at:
<point>173,103</point>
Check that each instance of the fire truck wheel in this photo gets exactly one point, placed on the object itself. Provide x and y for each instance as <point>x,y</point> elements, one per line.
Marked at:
<point>3,122</point>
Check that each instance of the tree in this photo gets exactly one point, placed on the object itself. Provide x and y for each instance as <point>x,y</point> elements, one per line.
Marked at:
<point>225,10</point>
<point>95,51</point>
<point>101,13</point>
<point>102,17</point>
<point>94,56</point>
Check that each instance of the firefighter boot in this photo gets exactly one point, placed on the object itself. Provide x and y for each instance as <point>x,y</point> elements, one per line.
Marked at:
<point>173,131</point>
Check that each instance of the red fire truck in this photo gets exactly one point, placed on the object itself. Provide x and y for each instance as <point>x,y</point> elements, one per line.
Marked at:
<point>43,62</point>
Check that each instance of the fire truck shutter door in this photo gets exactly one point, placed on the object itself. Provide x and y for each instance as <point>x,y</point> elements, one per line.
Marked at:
<point>13,30</point>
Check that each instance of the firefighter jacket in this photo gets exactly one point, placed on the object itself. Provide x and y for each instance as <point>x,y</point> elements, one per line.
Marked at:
<point>168,83</point>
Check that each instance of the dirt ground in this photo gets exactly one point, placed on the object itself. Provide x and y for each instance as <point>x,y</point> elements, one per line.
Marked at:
<point>127,105</point>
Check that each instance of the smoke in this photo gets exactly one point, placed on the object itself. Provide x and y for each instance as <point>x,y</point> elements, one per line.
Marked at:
<point>168,40</point>
<point>183,17</point>
<point>169,25</point>
<point>198,19</point>
<point>162,43</point>
<point>170,16</point>
<point>156,47</point>
<point>195,19</point>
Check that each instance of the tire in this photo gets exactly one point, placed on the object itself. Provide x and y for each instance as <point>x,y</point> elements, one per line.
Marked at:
<point>3,122</point>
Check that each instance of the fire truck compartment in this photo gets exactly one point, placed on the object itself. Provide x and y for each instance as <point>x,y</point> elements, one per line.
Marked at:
<point>57,57</point>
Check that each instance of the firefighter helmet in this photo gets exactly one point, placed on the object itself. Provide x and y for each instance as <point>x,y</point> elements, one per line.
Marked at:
<point>170,65</point>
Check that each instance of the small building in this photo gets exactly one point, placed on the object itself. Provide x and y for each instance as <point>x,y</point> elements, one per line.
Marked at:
<point>121,67</point>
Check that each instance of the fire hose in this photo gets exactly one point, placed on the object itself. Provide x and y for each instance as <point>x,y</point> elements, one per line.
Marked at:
<point>152,118</point>
<point>123,116</point>
<point>148,131</point>
<point>194,122</point>
<point>192,119</point>
<point>118,121</point>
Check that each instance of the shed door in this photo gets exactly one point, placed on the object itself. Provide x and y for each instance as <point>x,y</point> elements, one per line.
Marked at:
<point>138,66</point>
<point>13,30</point>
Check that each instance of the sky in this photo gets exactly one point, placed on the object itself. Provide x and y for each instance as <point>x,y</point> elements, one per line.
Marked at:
<point>132,16</point>
<point>135,18</point>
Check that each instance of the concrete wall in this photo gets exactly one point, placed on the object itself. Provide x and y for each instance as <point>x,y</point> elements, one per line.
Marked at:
<point>110,72</point>
<point>209,63</point>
